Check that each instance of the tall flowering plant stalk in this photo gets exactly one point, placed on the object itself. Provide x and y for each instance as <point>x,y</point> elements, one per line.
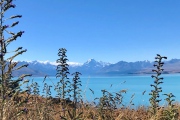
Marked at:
<point>63,86</point>
<point>9,86</point>
<point>62,74</point>
<point>76,91</point>
<point>155,97</point>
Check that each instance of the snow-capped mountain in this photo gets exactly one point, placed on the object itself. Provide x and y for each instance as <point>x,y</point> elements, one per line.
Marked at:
<point>73,64</point>
<point>90,67</point>
<point>95,68</point>
<point>41,68</point>
<point>94,63</point>
<point>36,68</point>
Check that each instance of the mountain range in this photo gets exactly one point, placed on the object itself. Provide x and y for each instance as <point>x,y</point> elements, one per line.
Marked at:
<point>98,68</point>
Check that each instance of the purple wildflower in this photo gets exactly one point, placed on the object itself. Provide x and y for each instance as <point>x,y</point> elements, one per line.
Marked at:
<point>2,54</point>
<point>12,5</point>
<point>20,33</point>
<point>5,26</point>
<point>25,110</point>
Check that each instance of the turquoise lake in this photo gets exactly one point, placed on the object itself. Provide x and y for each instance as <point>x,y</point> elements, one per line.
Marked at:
<point>134,85</point>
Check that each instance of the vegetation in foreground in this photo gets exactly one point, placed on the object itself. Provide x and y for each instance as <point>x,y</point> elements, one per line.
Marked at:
<point>29,104</point>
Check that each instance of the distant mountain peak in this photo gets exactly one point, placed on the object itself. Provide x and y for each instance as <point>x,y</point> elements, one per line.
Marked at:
<point>174,60</point>
<point>91,60</point>
<point>93,63</point>
<point>105,63</point>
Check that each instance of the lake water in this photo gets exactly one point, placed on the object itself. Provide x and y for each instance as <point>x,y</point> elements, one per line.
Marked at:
<point>133,84</point>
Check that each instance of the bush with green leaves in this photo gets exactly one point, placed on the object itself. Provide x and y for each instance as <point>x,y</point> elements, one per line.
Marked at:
<point>109,102</point>
<point>171,113</point>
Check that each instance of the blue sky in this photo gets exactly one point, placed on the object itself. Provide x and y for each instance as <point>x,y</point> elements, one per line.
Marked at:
<point>107,30</point>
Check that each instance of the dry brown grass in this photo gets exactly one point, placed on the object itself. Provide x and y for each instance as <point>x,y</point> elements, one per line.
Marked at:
<point>38,108</point>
